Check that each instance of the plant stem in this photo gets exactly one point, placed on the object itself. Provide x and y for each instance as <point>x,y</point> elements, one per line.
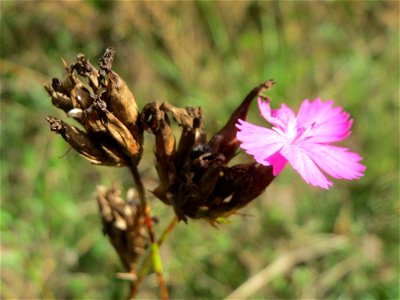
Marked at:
<point>146,264</point>
<point>147,261</point>
<point>139,185</point>
<point>157,262</point>
<point>168,230</point>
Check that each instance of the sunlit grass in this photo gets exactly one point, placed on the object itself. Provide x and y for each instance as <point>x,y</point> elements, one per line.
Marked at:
<point>207,54</point>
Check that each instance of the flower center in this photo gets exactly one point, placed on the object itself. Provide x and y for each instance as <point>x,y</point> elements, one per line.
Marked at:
<point>295,133</point>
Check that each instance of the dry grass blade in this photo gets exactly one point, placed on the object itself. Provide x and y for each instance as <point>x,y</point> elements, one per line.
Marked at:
<point>284,263</point>
<point>333,275</point>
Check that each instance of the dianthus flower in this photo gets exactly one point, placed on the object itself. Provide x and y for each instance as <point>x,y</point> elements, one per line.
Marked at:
<point>303,141</point>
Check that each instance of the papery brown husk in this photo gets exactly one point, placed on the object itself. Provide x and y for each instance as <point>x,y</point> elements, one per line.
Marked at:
<point>106,109</point>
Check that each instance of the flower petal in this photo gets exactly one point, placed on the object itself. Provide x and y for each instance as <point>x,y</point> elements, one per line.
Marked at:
<point>338,162</point>
<point>303,141</point>
<point>277,117</point>
<point>328,124</point>
<point>258,141</point>
<point>278,162</point>
<point>304,165</point>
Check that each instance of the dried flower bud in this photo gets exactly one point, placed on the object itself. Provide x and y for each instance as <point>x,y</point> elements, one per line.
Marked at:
<point>156,121</point>
<point>86,70</point>
<point>59,99</point>
<point>236,187</point>
<point>225,141</point>
<point>120,100</point>
<point>121,135</point>
<point>84,145</point>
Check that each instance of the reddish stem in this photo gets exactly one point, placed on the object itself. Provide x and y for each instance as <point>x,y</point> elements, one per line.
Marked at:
<point>149,224</point>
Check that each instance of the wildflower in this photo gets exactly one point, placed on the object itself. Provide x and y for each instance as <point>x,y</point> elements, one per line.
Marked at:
<point>303,141</point>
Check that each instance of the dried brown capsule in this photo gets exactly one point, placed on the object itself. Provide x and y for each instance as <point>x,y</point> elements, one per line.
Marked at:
<point>87,70</point>
<point>120,134</point>
<point>84,144</point>
<point>156,121</point>
<point>225,141</point>
<point>236,187</point>
<point>59,99</point>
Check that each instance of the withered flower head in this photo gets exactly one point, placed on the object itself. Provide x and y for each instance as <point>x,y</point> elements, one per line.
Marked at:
<point>194,174</point>
<point>124,224</point>
<point>105,107</point>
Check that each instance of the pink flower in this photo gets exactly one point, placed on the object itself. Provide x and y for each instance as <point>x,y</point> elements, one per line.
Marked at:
<point>303,141</point>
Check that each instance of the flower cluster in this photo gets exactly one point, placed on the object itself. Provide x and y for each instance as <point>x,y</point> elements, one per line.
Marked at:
<point>194,176</point>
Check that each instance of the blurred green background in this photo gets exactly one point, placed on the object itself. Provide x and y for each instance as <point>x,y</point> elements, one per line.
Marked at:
<point>207,54</point>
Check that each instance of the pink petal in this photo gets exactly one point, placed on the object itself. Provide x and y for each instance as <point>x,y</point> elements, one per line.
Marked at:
<point>313,112</point>
<point>303,141</point>
<point>304,165</point>
<point>277,117</point>
<point>258,141</point>
<point>338,162</point>
<point>328,124</point>
<point>278,162</point>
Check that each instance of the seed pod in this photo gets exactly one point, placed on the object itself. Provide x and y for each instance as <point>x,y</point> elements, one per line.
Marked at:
<point>83,144</point>
<point>87,70</point>
<point>236,187</point>
<point>59,99</point>
<point>82,97</point>
<point>119,98</point>
<point>224,141</point>
<point>121,102</point>
<point>193,132</point>
<point>156,121</point>
<point>117,130</point>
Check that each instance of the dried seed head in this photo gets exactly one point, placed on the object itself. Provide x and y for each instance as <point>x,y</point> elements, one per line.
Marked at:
<point>194,176</point>
<point>105,107</point>
<point>124,224</point>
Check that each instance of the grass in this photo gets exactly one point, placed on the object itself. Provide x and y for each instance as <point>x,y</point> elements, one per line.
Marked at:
<point>207,54</point>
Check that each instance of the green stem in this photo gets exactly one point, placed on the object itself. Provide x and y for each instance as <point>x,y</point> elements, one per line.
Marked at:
<point>145,269</point>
